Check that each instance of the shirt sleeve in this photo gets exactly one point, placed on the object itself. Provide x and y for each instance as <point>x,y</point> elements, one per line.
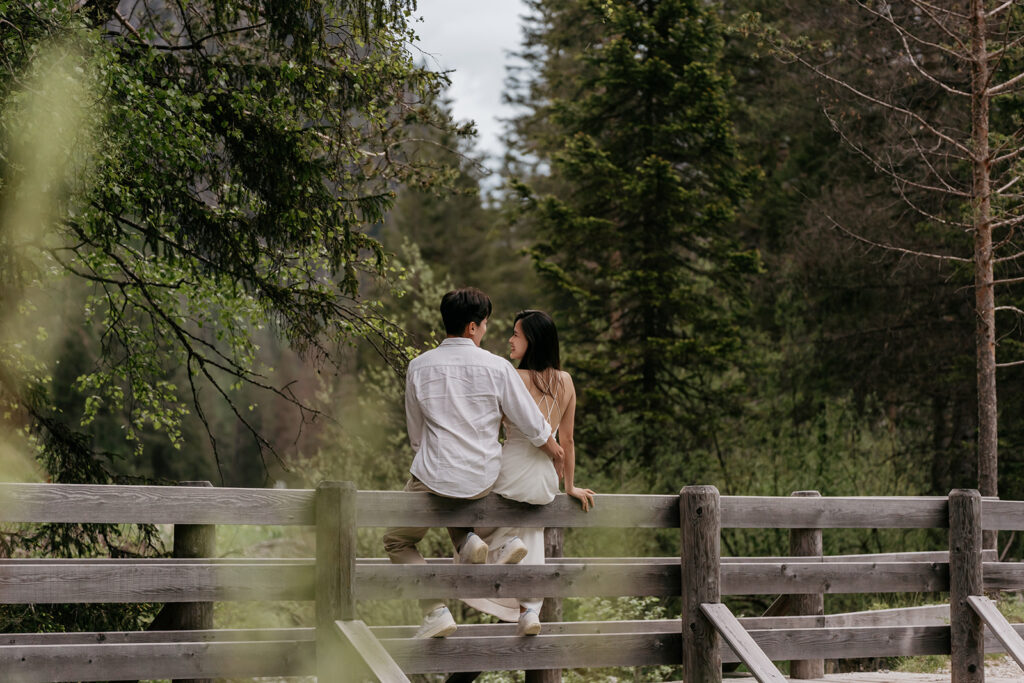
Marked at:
<point>413,414</point>
<point>520,408</point>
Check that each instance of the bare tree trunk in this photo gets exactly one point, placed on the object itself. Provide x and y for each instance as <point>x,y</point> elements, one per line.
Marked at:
<point>983,276</point>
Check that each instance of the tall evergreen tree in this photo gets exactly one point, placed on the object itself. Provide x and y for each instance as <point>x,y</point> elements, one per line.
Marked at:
<point>637,180</point>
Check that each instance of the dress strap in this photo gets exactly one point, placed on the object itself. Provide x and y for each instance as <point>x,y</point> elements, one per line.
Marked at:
<point>553,396</point>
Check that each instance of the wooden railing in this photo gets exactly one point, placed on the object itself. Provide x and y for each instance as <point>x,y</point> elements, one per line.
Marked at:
<point>340,647</point>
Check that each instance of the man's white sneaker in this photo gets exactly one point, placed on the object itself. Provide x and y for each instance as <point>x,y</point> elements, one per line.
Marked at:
<point>512,552</point>
<point>529,623</point>
<point>437,624</point>
<point>473,550</point>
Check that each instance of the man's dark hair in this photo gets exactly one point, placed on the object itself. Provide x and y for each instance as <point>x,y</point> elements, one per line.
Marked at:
<point>461,307</point>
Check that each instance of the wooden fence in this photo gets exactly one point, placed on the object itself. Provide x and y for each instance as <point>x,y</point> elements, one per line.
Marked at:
<point>340,647</point>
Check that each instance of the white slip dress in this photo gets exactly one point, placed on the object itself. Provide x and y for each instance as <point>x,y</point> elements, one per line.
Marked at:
<point>528,476</point>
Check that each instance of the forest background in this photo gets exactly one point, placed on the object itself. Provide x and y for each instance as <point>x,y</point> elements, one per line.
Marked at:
<point>226,226</point>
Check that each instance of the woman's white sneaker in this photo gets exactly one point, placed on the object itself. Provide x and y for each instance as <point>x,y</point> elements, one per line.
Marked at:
<point>512,552</point>
<point>437,624</point>
<point>529,623</point>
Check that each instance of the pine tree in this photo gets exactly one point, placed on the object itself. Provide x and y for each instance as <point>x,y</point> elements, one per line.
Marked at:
<point>636,182</point>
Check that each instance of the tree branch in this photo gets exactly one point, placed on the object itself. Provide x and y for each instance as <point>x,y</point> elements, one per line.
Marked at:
<point>890,247</point>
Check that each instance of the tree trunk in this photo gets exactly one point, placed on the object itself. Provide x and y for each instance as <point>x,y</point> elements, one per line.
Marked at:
<point>983,276</point>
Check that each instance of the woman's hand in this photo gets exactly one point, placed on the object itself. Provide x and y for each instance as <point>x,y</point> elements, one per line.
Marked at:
<point>585,496</point>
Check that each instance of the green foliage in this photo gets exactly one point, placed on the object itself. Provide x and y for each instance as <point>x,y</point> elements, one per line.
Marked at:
<point>242,149</point>
<point>631,223</point>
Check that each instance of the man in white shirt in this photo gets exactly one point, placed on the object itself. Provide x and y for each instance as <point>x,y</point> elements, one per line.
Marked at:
<point>455,396</point>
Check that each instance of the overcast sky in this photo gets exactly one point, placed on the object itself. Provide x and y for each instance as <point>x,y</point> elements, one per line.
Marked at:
<point>473,37</point>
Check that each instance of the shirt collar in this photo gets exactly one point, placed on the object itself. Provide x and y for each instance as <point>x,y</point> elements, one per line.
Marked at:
<point>457,341</point>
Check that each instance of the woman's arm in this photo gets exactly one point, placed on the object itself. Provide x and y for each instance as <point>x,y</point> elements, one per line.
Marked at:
<point>565,438</point>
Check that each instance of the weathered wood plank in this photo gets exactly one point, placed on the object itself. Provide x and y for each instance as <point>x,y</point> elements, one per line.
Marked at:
<point>852,577</point>
<point>504,653</point>
<point>1002,515</point>
<point>926,615</point>
<point>913,556</point>
<point>50,581</point>
<point>1003,576</point>
<point>741,643</point>
<point>700,552</point>
<point>853,642</point>
<point>35,581</point>
<point>335,569</point>
<point>155,661</point>
<point>390,508</point>
<point>1000,627</point>
<point>99,638</point>
<point>807,543</point>
<point>373,654</point>
<point>386,582</point>
<point>125,561</point>
<point>479,653</point>
<point>153,504</point>
<point>966,578</point>
<point>931,615</point>
<point>757,512</point>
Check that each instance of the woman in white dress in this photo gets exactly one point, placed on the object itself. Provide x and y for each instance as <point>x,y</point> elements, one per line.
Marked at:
<point>527,473</point>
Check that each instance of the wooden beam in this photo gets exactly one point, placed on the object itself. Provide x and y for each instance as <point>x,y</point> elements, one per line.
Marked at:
<point>47,581</point>
<point>28,581</point>
<point>386,582</point>
<point>511,653</point>
<point>335,568</point>
<point>741,643</point>
<point>759,512</point>
<point>100,638</point>
<point>156,661</point>
<point>389,508</point>
<point>967,636</point>
<point>372,653</point>
<point>1003,576</point>
<point>699,554</point>
<point>1002,515</point>
<point>848,577</point>
<point>913,556</point>
<point>807,543</point>
<point>1000,627</point>
<point>74,503</point>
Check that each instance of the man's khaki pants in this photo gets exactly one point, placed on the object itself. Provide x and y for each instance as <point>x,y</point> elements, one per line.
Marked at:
<point>400,542</point>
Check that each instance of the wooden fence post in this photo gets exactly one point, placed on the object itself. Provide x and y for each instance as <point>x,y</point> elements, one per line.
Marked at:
<point>700,522</point>
<point>190,541</point>
<point>554,541</point>
<point>335,571</point>
<point>807,543</point>
<point>967,638</point>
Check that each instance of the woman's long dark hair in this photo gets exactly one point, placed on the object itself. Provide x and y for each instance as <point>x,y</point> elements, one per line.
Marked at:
<point>541,357</point>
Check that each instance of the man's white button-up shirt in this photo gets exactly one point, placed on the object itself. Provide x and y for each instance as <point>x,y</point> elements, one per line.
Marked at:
<point>455,396</point>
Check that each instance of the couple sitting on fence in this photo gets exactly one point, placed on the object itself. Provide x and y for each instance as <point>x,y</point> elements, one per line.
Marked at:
<point>456,396</point>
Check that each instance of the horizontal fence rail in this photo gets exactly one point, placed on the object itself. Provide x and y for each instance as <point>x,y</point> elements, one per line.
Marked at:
<point>155,661</point>
<point>34,581</point>
<point>27,581</point>
<point>131,656</point>
<point>86,503</point>
<point>385,509</point>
